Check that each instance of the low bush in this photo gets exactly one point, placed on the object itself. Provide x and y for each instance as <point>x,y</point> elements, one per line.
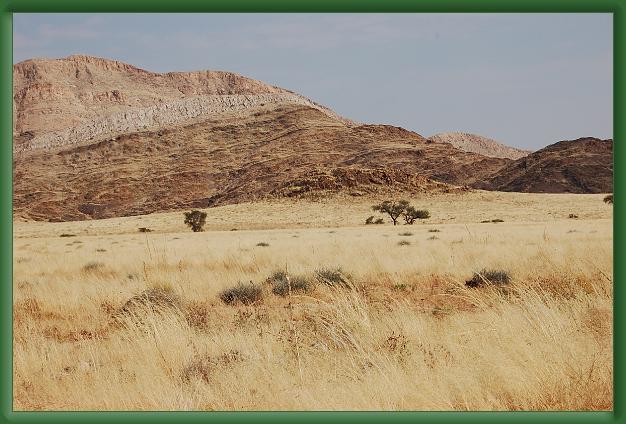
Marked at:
<point>489,277</point>
<point>298,283</point>
<point>404,243</point>
<point>242,293</point>
<point>155,300</point>
<point>93,267</point>
<point>263,244</point>
<point>332,276</point>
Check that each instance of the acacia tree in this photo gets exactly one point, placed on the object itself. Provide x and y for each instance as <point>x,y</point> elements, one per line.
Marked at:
<point>393,209</point>
<point>410,214</point>
<point>195,220</point>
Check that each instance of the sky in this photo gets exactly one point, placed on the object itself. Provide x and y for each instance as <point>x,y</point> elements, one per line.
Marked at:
<point>527,80</point>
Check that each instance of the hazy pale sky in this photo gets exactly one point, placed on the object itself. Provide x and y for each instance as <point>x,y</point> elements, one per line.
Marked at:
<point>527,80</point>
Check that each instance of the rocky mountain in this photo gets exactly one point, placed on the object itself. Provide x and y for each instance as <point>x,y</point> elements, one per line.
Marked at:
<point>275,150</point>
<point>87,99</point>
<point>479,144</point>
<point>95,138</point>
<point>584,165</point>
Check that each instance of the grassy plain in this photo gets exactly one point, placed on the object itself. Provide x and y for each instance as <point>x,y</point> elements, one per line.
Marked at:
<point>404,333</point>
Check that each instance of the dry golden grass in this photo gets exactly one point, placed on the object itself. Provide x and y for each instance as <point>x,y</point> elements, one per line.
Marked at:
<point>405,334</point>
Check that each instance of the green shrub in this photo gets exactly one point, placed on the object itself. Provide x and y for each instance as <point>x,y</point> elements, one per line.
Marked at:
<point>195,220</point>
<point>242,293</point>
<point>411,214</point>
<point>263,244</point>
<point>393,209</point>
<point>404,243</point>
<point>406,234</point>
<point>369,220</point>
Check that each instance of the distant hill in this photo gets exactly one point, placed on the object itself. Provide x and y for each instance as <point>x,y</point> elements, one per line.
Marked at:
<point>584,165</point>
<point>479,144</point>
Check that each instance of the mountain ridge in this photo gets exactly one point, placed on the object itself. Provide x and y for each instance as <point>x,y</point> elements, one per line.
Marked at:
<point>95,138</point>
<point>479,144</point>
<point>56,101</point>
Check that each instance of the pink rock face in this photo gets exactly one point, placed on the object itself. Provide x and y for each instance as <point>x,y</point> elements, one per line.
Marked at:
<point>87,99</point>
<point>479,144</point>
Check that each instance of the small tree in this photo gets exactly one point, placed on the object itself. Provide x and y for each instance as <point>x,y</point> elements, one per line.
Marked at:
<point>195,220</point>
<point>410,214</point>
<point>393,209</point>
<point>609,199</point>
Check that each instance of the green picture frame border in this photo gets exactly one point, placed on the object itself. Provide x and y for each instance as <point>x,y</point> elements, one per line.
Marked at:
<point>7,8</point>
